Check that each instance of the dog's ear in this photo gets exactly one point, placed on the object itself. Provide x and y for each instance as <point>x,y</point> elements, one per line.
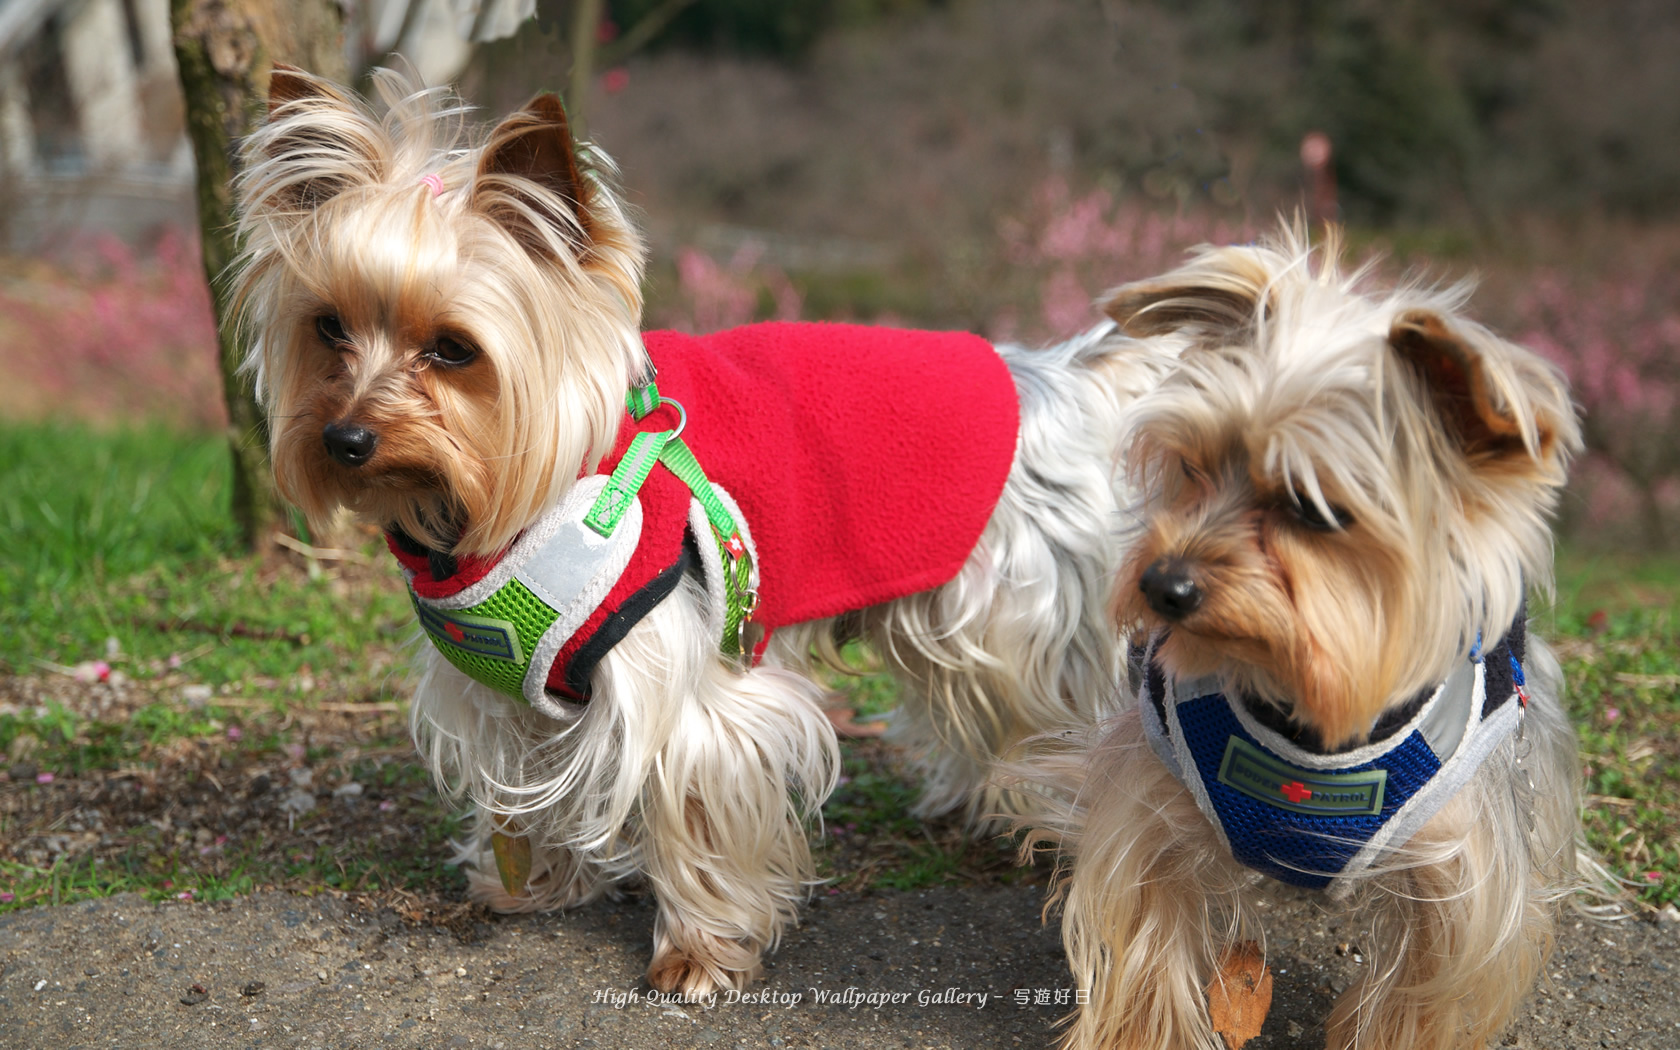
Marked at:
<point>1219,293</point>
<point>1497,399</point>
<point>289,84</point>
<point>530,181</point>
<point>315,145</point>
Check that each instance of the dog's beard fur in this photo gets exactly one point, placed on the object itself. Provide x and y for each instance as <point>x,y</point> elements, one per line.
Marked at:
<point>1289,401</point>
<point>487,335</point>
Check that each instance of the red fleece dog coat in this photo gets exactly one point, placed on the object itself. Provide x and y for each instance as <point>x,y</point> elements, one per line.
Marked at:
<point>866,462</point>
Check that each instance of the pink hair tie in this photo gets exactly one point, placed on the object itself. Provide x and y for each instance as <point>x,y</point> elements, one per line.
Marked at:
<point>435,182</point>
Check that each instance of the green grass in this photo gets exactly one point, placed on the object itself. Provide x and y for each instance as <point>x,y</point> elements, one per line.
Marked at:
<point>158,873</point>
<point>121,543</point>
<point>68,745</point>
<point>1617,621</point>
<point>78,504</point>
<point>121,549</point>
<point>126,535</point>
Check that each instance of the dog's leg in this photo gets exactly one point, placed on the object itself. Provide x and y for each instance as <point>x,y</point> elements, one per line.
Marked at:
<point>727,766</point>
<point>748,761</point>
<point>1152,900</point>
<point>1458,944</point>
<point>559,876</point>
<point>694,772</point>
<point>516,767</point>
<point>1462,934</point>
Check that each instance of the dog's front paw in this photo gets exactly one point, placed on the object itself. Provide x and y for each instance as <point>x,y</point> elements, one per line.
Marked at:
<point>703,967</point>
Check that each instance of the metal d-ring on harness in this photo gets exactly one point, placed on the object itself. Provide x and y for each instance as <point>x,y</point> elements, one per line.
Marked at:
<point>667,447</point>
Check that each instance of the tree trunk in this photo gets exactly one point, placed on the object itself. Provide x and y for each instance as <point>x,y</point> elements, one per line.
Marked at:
<point>586,24</point>
<point>225,50</point>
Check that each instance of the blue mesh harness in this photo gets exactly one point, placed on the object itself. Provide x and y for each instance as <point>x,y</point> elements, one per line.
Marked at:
<point>1312,817</point>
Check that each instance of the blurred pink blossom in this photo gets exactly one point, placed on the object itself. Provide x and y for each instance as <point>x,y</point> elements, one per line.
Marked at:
<point>1080,245</point>
<point>111,335</point>
<point>715,296</point>
<point>1617,339</point>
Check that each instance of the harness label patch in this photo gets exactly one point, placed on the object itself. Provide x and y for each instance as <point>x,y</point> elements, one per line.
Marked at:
<point>480,635</point>
<point>1269,779</point>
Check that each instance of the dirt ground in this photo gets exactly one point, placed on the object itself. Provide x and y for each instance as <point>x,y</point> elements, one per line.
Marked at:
<point>338,927</point>
<point>948,967</point>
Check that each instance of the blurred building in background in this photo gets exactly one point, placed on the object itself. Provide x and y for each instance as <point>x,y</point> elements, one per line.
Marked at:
<point>91,120</point>
<point>91,133</point>
<point>434,37</point>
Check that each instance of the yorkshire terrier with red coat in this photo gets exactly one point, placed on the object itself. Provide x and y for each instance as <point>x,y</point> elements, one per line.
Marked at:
<point>625,546</point>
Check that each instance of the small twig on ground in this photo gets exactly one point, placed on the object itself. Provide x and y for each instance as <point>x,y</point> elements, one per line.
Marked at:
<point>320,553</point>
<point>1612,800</point>
<point>196,651</point>
<point>1653,681</point>
<point>237,630</point>
<point>379,706</point>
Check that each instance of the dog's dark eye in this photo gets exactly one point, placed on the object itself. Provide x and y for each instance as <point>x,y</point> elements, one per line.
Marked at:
<point>1191,473</point>
<point>331,330</point>
<point>449,351</point>
<point>1307,512</point>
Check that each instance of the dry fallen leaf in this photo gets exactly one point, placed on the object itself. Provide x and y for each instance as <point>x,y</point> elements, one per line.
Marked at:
<point>513,860</point>
<point>1240,995</point>
<point>844,724</point>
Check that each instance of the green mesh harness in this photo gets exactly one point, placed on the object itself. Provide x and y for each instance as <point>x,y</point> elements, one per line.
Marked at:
<point>565,565</point>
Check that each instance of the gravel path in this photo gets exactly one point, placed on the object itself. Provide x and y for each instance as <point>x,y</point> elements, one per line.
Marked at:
<point>277,970</point>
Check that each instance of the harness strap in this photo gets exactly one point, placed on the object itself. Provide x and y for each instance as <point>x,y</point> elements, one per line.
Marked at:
<point>667,447</point>
<point>626,481</point>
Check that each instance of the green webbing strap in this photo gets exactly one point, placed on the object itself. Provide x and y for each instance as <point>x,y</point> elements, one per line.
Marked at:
<point>740,600</point>
<point>641,400</point>
<point>680,459</point>
<point>632,471</point>
<point>626,481</point>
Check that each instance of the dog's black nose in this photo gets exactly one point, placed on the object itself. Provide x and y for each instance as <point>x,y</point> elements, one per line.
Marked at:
<point>1170,589</point>
<point>350,443</point>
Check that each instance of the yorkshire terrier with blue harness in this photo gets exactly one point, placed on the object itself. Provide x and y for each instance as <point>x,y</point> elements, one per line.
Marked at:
<point>623,547</point>
<point>1342,495</point>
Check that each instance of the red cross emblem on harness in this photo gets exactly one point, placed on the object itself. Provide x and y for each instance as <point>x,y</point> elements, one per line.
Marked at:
<point>1296,792</point>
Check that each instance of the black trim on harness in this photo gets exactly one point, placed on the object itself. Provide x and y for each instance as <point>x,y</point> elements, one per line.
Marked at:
<point>628,615</point>
<point>441,564</point>
<point>1499,682</point>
